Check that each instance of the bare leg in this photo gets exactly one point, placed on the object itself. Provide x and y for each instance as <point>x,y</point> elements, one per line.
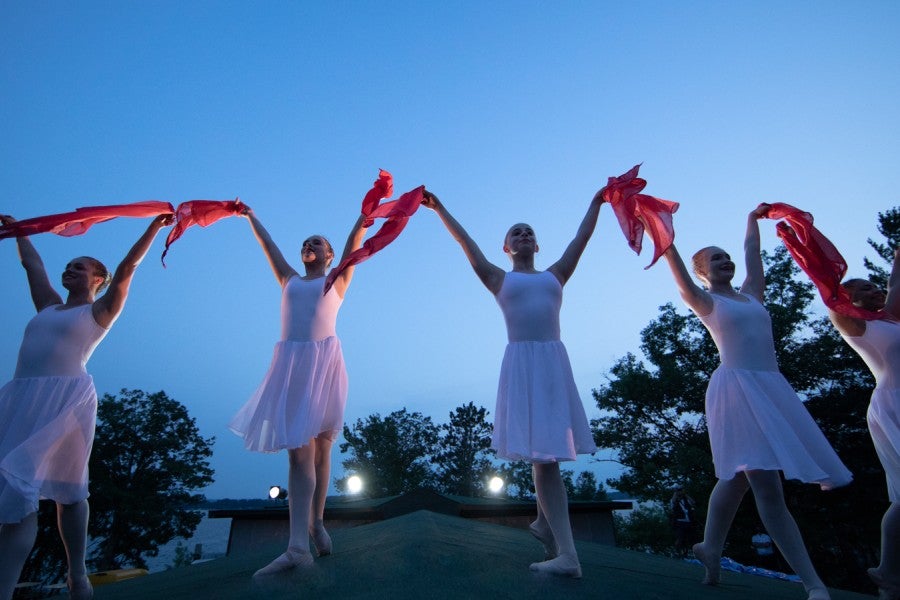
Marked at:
<point>320,537</point>
<point>301,486</point>
<point>551,493</point>
<point>887,575</point>
<point>16,542</point>
<point>723,504</point>
<point>540,529</point>
<point>72,521</point>
<point>781,526</point>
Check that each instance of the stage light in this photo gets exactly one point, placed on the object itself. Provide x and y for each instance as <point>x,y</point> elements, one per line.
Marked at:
<point>495,485</point>
<point>354,484</point>
<point>276,492</point>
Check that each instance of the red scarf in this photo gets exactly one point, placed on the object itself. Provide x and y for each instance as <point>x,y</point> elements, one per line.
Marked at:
<point>637,212</point>
<point>81,219</point>
<point>397,212</point>
<point>202,213</point>
<point>818,258</point>
<point>192,212</point>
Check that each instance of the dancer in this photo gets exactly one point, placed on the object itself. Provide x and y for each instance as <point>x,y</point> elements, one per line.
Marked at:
<point>48,411</point>
<point>539,416</point>
<point>300,404</point>
<point>878,343</point>
<point>757,424</point>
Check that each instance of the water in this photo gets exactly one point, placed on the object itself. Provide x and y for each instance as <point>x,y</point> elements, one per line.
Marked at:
<point>211,533</point>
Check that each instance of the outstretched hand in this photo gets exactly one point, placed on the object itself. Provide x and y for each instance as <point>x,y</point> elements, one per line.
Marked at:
<point>760,211</point>
<point>429,200</point>
<point>598,197</point>
<point>164,220</point>
<point>6,219</point>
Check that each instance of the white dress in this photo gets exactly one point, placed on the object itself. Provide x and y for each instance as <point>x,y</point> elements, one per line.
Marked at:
<point>754,417</point>
<point>305,389</point>
<point>48,413</point>
<point>539,416</point>
<point>879,346</point>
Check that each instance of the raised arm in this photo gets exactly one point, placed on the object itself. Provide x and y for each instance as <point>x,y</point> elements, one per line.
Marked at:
<point>565,266</point>
<point>490,274</point>
<point>42,293</point>
<point>110,304</point>
<point>693,295</point>
<point>280,267</point>
<point>755,282</point>
<point>354,241</point>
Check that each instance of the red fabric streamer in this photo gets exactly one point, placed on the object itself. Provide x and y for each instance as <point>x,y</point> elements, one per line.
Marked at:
<point>397,213</point>
<point>817,257</point>
<point>202,213</point>
<point>382,188</point>
<point>81,219</point>
<point>637,212</point>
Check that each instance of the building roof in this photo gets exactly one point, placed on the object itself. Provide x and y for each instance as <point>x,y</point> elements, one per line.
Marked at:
<point>426,554</point>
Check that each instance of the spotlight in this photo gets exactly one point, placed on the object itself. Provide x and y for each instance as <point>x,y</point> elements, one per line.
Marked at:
<point>354,484</point>
<point>276,492</point>
<point>495,485</point>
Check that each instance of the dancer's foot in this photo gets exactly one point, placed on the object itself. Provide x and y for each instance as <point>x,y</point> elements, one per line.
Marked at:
<point>563,566</point>
<point>545,536</point>
<point>294,557</point>
<point>887,590</point>
<point>79,588</point>
<point>321,539</point>
<point>711,561</point>
<point>818,593</point>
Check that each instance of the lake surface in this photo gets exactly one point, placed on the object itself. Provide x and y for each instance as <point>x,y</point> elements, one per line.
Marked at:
<point>212,534</point>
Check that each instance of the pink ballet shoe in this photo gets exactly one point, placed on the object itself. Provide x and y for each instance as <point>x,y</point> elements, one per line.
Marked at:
<point>818,594</point>
<point>545,536</point>
<point>561,566</point>
<point>712,564</point>
<point>321,540</point>
<point>80,588</point>
<point>293,558</point>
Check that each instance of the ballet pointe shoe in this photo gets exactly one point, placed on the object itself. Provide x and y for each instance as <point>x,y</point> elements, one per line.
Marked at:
<point>887,590</point>
<point>321,539</point>
<point>819,593</point>
<point>561,566</point>
<point>545,537</point>
<point>711,562</point>
<point>80,588</point>
<point>293,558</point>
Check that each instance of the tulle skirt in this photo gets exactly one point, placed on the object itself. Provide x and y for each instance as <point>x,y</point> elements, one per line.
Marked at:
<point>46,434</point>
<point>302,396</point>
<point>539,416</point>
<point>884,425</point>
<point>757,421</point>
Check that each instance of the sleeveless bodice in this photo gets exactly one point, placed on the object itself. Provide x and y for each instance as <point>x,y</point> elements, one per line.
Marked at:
<point>742,331</point>
<point>59,342</point>
<point>306,314</point>
<point>530,303</point>
<point>879,346</point>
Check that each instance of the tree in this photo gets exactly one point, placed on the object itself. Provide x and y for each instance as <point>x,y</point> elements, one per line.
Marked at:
<point>392,455</point>
<point>653,418</point>
<point>889,227</point>
<point>645,529</point>
<point>588,488</point>
<point>519,479</point>
<point>463,457</point>
<point>148,459</point>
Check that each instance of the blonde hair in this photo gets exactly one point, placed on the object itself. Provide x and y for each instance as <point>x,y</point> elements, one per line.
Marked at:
<point>101,271</point>
<point>697,264</point>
